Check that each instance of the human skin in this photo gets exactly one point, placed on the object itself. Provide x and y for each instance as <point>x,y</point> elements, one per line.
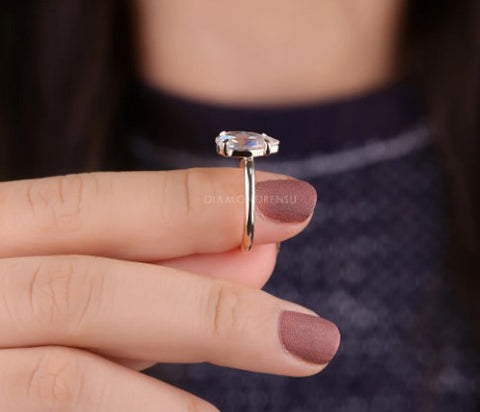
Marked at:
<point>272,52</point>
<point>103,274</point>
<point>94,284</point>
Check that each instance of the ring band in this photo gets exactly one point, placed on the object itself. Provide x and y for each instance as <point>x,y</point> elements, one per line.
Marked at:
<point>249,174</point>
<point>246,146</point>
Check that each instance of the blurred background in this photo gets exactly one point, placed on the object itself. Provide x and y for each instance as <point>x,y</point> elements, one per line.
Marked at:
<point>376,104</point>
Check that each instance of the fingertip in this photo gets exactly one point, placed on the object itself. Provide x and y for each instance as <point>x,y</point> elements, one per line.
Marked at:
<point>286,200</point>
<point>309,338</point>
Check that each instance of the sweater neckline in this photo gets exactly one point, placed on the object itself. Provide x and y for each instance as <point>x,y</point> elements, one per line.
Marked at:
<point>190,125</point>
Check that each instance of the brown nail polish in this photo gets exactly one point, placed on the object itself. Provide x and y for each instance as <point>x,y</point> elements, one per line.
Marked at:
<point>287,200</point>
<point>311,338</point>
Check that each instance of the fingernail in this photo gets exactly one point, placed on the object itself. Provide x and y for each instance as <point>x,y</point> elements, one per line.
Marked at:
<point>287,200</point>
<point>308,337</point>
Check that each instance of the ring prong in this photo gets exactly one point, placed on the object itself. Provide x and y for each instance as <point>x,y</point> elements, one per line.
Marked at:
<point>267,148</point>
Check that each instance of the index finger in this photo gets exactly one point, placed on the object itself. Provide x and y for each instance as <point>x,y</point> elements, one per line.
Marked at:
<point>147,215</point>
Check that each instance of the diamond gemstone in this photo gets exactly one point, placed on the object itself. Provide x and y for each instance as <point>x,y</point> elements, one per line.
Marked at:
<point>245,144</point>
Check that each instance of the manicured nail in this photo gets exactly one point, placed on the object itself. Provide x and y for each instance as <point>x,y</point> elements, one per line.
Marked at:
<point>287,200</point>
<point>311,338</point>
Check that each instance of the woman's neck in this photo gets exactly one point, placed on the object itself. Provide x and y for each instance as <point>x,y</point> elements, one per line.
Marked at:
<point>269,51</point>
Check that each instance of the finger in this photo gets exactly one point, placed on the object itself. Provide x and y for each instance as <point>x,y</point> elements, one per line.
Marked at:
<point>61,379</point>
<point>252,269</point>
<point>146,312</point>
<point>232,265</point>
<point>146,216</point>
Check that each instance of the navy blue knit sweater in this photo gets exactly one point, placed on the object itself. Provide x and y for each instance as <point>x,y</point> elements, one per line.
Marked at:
<point>371,260</point>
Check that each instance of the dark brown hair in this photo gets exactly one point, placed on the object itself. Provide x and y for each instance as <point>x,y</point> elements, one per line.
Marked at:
<point>442,40</point>
<point>66,66</point>
<point>64,72</point>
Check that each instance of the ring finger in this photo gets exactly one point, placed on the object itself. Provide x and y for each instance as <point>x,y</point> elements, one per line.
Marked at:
<point>148,312</point>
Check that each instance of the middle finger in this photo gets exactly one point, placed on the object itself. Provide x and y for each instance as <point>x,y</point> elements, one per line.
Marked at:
<point>141,311</point>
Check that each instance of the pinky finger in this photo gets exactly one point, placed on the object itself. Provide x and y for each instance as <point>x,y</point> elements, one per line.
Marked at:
<point>63,379</point>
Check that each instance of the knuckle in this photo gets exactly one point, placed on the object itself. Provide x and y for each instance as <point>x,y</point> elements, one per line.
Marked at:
<point>190,185</point>
<point>57,202</point>
<point>185,188</point>
<point>63,292</point>
<point>225,311</point>
<point>197,184</point>
<point>56,380</point>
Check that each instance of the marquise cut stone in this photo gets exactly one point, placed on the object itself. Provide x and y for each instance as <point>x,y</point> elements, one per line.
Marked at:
<point>245,144</point>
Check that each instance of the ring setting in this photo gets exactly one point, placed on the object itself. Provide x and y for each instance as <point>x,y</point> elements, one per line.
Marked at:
<point>246,146</point>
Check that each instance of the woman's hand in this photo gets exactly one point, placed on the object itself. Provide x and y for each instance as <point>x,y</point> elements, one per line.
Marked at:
<point>80,306</point>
